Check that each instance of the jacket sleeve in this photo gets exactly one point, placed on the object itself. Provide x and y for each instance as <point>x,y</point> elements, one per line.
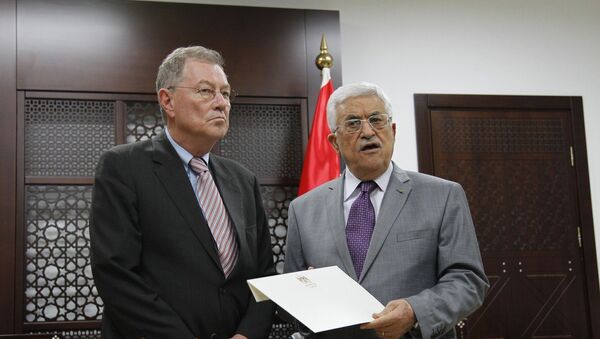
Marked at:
<point>462,283</point>
<point>256,323</point>
<point>135,309</point>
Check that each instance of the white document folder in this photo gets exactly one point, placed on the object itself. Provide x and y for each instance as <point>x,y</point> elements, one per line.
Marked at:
<point>322,299</point>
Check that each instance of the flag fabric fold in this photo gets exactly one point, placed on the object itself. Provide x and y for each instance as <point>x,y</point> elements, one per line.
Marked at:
<point>321,162</point>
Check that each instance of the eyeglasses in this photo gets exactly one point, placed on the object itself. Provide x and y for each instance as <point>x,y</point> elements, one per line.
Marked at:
<point>378,121</point>
<point>208,93</point>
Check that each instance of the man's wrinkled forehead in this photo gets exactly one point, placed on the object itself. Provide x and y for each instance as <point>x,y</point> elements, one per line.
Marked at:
<point>356,107</point>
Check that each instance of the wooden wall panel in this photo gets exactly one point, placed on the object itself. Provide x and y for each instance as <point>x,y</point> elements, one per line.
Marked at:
<point>8,140</point>
<point>117,46</point>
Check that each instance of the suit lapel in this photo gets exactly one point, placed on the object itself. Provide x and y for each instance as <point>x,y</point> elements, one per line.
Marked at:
<point>393,201</point>
<point>171,174</point>
<point>334,201</point>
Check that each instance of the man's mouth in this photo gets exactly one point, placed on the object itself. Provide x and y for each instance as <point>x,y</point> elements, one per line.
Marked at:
<point>217,116</point>
<point>370,147</point>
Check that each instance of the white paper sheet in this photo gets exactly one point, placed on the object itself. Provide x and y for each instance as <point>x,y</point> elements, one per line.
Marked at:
<point>322,298</point>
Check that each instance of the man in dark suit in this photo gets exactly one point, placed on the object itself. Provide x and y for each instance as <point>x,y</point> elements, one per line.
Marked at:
<point>408,238</point>
<point>175,230</point>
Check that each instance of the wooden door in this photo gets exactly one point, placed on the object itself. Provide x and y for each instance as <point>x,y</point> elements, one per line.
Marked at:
<point>515,160</point>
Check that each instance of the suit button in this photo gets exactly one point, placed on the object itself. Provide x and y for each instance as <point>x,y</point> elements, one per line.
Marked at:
<point>214,336</point>
<point>222,290</point>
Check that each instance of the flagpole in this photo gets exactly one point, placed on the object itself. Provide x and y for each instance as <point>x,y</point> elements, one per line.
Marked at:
<point>321,161</point>
<point>324,59</point>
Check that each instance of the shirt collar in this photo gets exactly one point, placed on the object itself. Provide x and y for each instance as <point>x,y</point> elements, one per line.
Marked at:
<point>351,182</point>
<point>182,152</point>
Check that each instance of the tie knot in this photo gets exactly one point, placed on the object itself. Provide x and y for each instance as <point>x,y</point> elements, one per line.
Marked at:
<point>367,186</point>
<point>198,165</point>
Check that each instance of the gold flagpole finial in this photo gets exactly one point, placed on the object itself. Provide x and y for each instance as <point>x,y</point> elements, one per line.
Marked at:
<point>324,59</point>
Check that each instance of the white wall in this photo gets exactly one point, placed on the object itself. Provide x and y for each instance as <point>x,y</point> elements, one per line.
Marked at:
<point>528,47</point>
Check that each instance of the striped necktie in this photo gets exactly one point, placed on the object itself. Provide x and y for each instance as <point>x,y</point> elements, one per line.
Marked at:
<point>214,211</point>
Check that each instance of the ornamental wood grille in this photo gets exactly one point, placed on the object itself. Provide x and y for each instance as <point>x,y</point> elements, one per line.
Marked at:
<point>63,139</point>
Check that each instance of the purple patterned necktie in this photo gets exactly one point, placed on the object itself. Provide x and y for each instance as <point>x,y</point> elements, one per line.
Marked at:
<point>361,221</point>
<point>216,216</point>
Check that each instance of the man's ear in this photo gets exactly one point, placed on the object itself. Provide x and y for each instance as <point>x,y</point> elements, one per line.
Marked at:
<point>332,138</point>
<point>165,100</point>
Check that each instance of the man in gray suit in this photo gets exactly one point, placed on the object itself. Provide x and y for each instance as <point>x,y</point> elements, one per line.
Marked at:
<point>408,238</point>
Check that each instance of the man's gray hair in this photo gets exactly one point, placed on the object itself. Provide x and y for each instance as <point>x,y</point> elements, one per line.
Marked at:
<point>171,69</point>
<point>346,92</point>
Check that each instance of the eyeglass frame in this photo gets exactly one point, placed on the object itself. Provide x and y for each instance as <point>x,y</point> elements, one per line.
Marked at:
<point>212,93</point>
<point>343,128</point>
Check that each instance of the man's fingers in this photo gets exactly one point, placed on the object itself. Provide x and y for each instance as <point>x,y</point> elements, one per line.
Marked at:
<point>373,324</point>
<point>388,308</point>
<point>377,319</point>
<point>380,321</point>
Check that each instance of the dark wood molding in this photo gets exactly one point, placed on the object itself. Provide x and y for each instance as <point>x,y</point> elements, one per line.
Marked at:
<point>89,96</point>
<point>63,325</point>
<point>59,180</point>
<point>20,216</point>
<point>495,101</point>
<point>30,336</point>
<point>8,143</point>
<point>423,130</point>
<point>120,125</point>
<point>585,212</point>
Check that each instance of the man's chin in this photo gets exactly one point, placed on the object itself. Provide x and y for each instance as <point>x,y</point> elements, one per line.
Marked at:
<point>218,126</point>
<point>219,134</point>
<point>369,170</point>
<point>213,131</point>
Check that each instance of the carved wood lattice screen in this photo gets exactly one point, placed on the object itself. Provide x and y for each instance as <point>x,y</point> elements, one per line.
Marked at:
<point>63,135</point>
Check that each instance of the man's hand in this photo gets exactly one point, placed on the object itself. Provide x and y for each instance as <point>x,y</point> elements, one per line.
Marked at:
<point>239,336</point>
<point>394,321</point>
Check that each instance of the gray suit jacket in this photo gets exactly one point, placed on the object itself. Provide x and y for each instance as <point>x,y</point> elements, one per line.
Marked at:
<point>423,249</point>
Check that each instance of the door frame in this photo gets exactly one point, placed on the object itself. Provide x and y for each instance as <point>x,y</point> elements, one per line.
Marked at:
<point>425,103</point>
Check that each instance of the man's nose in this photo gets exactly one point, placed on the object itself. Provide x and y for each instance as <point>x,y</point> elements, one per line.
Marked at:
<point>366,130</point>
<point>220,100</point>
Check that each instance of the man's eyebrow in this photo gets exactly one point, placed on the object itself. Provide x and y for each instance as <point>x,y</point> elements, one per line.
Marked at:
<point>211,84</point>
<point>356,116</point>
<point>374,113</point>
